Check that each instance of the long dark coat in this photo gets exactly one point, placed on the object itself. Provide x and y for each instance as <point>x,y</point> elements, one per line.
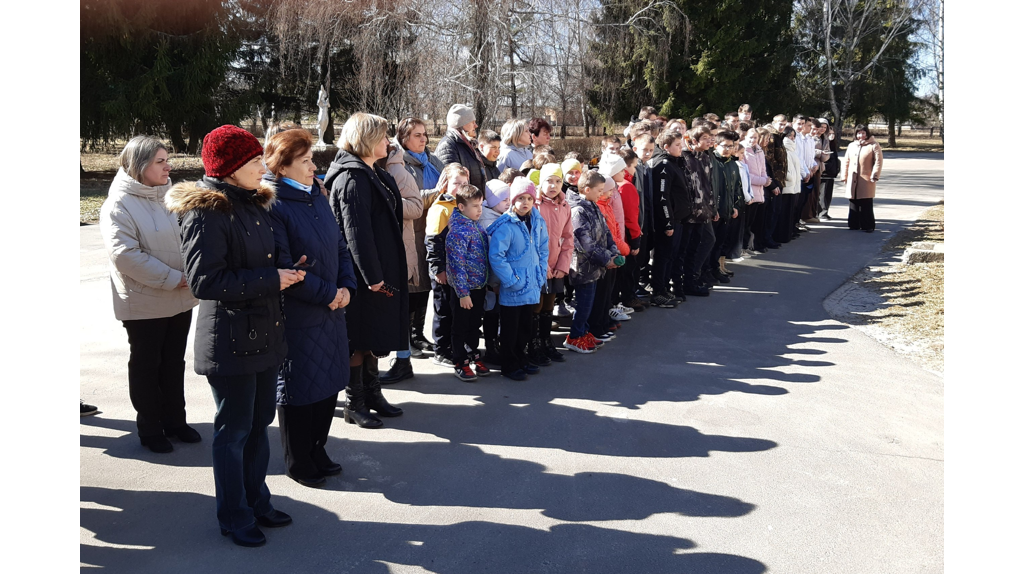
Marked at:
<point>317,363</point>
<point>368,207</point>
<point>231,262</point>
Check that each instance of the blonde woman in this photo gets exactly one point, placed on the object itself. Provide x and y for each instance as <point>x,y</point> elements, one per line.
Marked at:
<point>515,144</point>
<point>367,204</point>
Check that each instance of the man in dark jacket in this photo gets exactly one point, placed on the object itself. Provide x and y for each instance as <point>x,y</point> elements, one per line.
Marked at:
<point>643,146</point>
<point>457,145</point>
<point>725,180</point>
<point>698,229</point>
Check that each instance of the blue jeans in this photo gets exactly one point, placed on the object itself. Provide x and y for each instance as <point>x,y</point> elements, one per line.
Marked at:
<point>246,405</point>
<point>584,303</point>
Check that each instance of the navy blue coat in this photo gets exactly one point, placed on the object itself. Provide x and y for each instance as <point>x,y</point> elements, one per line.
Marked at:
<point>317,363</point>
<point>231,261</point>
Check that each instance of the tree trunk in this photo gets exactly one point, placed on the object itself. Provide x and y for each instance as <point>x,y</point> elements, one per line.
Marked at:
<point>512,75</point>
<point>329,130</point>
<point>892,131</point>
<point>177,142</point>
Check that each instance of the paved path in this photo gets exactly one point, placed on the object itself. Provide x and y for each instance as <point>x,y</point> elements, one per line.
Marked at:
<point>742,433</point>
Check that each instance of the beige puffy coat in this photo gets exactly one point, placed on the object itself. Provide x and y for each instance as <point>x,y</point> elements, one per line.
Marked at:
<point>412,210</point>
<point>143,243</point>
<point>862,167</point>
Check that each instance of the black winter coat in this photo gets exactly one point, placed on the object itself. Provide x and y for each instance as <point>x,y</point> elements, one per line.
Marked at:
<point>697,170</point>
<point>725,179</point>
<point>453,149</point>
<point>671,196</point>
<point>317,363</point>
<point>231,262</point>
<point>368,207</point>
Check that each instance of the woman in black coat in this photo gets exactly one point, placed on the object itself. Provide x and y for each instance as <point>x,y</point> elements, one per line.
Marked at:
<point>368,206</point>
<point>316,368</point>
<point>233,266</point>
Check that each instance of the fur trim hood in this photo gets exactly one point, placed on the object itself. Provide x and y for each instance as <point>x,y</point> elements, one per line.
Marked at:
<point>213,195</point>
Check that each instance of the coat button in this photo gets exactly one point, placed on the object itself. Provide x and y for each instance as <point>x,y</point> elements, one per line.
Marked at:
<point>269,256</point>
<point>257,222</point>
<point>277,323</point>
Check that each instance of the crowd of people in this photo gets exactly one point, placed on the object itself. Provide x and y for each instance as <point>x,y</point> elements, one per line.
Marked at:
<point>303,283</point>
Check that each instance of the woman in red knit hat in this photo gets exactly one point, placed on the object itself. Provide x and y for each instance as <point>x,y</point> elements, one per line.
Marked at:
<point>231,266</point>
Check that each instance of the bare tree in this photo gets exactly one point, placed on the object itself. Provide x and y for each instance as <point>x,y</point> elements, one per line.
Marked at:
<point>838,33</point>
<point>932,36</point>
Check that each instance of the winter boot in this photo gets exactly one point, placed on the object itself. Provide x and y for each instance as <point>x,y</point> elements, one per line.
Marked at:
<point>418,318</point>
<point>356,411</point>
<point>547,347</point>
<point>375,400</point>
<point>535,348</point>
<point>400,370</point>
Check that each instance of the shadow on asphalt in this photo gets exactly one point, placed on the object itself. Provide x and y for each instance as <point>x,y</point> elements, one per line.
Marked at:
<point>131,519</point>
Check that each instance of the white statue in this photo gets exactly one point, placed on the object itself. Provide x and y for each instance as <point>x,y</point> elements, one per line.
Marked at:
<point>322,117</point>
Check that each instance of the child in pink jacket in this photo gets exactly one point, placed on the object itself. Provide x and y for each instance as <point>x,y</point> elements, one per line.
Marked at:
<point>558,217</point>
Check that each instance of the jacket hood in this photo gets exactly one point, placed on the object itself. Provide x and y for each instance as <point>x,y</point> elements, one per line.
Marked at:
<point>124,183</point>
<point>212,194</point>
<point>398,155</point>
<point>510,218</point>
<point>574,198</point>
<point>660,154</point>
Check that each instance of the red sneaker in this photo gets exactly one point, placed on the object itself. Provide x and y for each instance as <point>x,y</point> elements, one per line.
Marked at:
<point>480,368</point>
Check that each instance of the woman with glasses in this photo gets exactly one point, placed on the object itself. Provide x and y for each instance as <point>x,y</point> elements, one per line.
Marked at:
<point>367,204</point>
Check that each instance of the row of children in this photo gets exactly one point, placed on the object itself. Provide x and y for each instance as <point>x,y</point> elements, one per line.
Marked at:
<point>652,222</point>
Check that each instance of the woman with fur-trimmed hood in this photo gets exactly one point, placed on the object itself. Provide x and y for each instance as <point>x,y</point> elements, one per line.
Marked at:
<point>231,266</point>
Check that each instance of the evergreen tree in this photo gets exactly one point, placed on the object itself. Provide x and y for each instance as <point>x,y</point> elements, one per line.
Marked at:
<point>157,67</point>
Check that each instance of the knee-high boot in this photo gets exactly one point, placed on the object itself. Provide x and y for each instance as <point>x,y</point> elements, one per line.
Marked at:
<point>374,397</point>
<point>356,411</point>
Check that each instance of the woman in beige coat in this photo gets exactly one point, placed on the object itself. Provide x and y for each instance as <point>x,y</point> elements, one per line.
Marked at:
<point>151,298</point>
<point>412,165</point>
<point>862,167</point>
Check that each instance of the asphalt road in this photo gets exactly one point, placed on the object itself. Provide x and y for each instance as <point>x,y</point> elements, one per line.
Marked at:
<point>746,432</point>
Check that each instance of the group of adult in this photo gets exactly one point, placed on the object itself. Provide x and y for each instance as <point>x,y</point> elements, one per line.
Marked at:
<point>301,285</point>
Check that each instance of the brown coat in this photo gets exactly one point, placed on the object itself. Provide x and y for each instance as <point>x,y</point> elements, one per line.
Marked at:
<point>412,209</point>
<point>862,167</point>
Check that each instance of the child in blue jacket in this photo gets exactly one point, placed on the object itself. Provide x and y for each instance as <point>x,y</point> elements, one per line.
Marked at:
<point>466,261</point>
<point>518,256</point>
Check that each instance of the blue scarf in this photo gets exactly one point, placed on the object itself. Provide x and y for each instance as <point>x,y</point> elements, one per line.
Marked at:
<point>307,188</point>
<point>430,173</point>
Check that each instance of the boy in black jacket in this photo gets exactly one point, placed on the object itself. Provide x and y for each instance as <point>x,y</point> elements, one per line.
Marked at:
<point>698,231</point>
<point>672,205</point>
<point>725,179</point>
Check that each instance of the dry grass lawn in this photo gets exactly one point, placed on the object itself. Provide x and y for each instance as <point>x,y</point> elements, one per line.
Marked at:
<point>912,317</point>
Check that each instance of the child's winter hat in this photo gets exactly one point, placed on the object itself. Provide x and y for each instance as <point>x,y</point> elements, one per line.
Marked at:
<point>495,192</point>
<point>551,169</point>
<point>521,186</point>
<point>611,164</point>
<point>227,148</point>
<point>569,165</point>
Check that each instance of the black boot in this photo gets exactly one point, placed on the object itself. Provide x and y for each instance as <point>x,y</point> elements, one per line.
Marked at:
<point>535,348</point>
<point>356,411</point>
<point>400,370</point>
<point>719,276</point>
<point>418,317</point>
<point>547,347</point>
<point>374,398</point>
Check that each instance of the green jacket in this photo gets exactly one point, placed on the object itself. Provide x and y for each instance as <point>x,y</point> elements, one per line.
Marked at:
<point>725,180</point>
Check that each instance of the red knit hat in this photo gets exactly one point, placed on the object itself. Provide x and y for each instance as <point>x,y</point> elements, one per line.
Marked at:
<point>228,148</point>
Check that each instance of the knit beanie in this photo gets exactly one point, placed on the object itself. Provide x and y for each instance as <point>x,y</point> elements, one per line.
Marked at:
<point>534,176</point>
<point>551,169</point>
<point>495,192</point>
<point>521,186</point>
<point>610,165</point>
<point>460,115</point>
<point>228,148</point>
<point>569,165</point>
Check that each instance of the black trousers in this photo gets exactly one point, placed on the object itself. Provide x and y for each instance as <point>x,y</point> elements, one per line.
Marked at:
<point>721,229</point>
<point>418,311</point>
<point>516,323</point>
<point>752,238</point>
<point>771,216</point>
<point>642,275</point>
<point>862,214</point>
<point>625,281</point>
<point>599,320</point>
<point>442,318</point>
<point>304,431</point>
<point>491,321</point>
<point>666,251</point>
<point>156,371</point>
<point>700,242</point>
<point>827,185</point>
<point>783,217</point>
<point>466,326</point>
<point>734,239</point>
